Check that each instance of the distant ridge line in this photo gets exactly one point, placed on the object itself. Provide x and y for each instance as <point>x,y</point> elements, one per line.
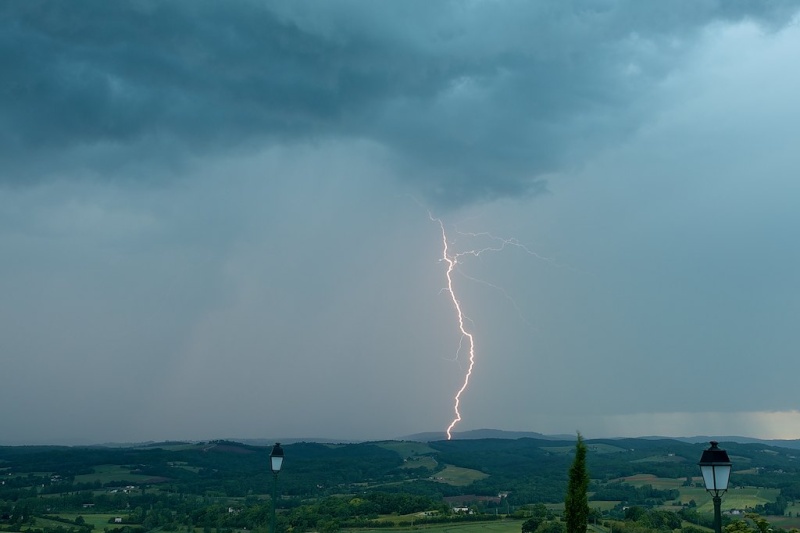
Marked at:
<point>502,434</point>
<point>483,434</point>
<point>430,436</point>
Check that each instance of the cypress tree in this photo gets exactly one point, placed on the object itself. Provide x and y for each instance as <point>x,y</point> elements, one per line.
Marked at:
<point>576,502</point>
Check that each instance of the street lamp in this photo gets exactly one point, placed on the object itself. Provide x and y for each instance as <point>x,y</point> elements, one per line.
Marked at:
<point>275,462</point>
<point>716,469</point>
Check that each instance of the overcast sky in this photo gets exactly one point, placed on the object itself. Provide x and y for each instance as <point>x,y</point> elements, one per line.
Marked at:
<point>216,218</point>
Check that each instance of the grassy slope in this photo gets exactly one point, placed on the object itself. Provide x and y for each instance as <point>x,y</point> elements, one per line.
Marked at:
<point>495,526</point>
<point>108,473</point>
<point>733,499</point>
<point>455,475</point>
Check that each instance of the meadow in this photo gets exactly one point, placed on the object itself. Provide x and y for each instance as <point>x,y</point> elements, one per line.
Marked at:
<point>111,473</point>
<point>495,526</point>
<point>407,449</point>
<point>458,476</point>
<point>98,520</point>
<point>735,498</point>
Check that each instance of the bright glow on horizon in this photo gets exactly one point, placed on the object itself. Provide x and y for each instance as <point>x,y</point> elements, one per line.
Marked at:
<point>753,424</point>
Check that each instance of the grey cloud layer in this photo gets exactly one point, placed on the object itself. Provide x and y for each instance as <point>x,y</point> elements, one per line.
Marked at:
<point>478,99</point>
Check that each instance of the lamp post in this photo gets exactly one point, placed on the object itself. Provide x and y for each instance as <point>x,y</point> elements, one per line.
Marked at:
<point>275,462</point>
<point>716,469</point>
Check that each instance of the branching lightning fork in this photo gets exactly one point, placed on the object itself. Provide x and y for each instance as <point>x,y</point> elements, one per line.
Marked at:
<point>451,264</point>
<point>452,261</point>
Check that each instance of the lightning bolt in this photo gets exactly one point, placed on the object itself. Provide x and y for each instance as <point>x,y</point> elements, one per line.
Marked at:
<point>452,261</point>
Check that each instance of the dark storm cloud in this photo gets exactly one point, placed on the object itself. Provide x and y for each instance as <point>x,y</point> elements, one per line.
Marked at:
<point>478,99</point>
<point>217,217</point>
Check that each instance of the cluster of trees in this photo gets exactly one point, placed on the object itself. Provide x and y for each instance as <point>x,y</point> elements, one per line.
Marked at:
<point>790,490</point>
<point>175,512</point>
<point>651,518</point>
<point>539,515</point>
<point>641,520</point>
<point>48,529</point>
<point>643,495</point>
<point>332,513</point>
<point>752,523</point>
<point>576,501</point>
<point>22,516</point>
<point>776,508</point>
<point>320,514</point>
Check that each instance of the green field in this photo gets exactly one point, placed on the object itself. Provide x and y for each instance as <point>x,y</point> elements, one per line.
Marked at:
<point>495,526</point>
<point>740,499</point>
<point>559,449</point>
<point>25,474</point>
<point>455,475</point>
<point>604,448</point>
<point>424,461</point>
<point>603,505</point>
<point>407,449</point>
<point>108,473</point>
<point>790,521</point>
<point>415,454</point>
<point>178,446</point>
<point>557,508</point>
<point>660,459</point>
<point>99,520</point>
<point>592,448</point>
<point>661,483</point>
<point>184,465</point>
<point>733,499</point>
<point>44,522</point>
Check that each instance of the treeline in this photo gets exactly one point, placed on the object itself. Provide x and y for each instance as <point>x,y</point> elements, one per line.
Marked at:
<point>532,470</point>
<point>49,529</point>
<point>625,492</point>
<point>776,508</point>
<point>333,513</point>
<point>172,512</point>
<point>220,468</point>
<point>103,502</point>
<point>640,520</point>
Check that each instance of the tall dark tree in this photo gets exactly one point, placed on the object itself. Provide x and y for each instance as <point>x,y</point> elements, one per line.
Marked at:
<point>576,502</point>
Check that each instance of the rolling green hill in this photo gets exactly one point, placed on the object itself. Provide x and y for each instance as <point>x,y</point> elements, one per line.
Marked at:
<point>228,483</point>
